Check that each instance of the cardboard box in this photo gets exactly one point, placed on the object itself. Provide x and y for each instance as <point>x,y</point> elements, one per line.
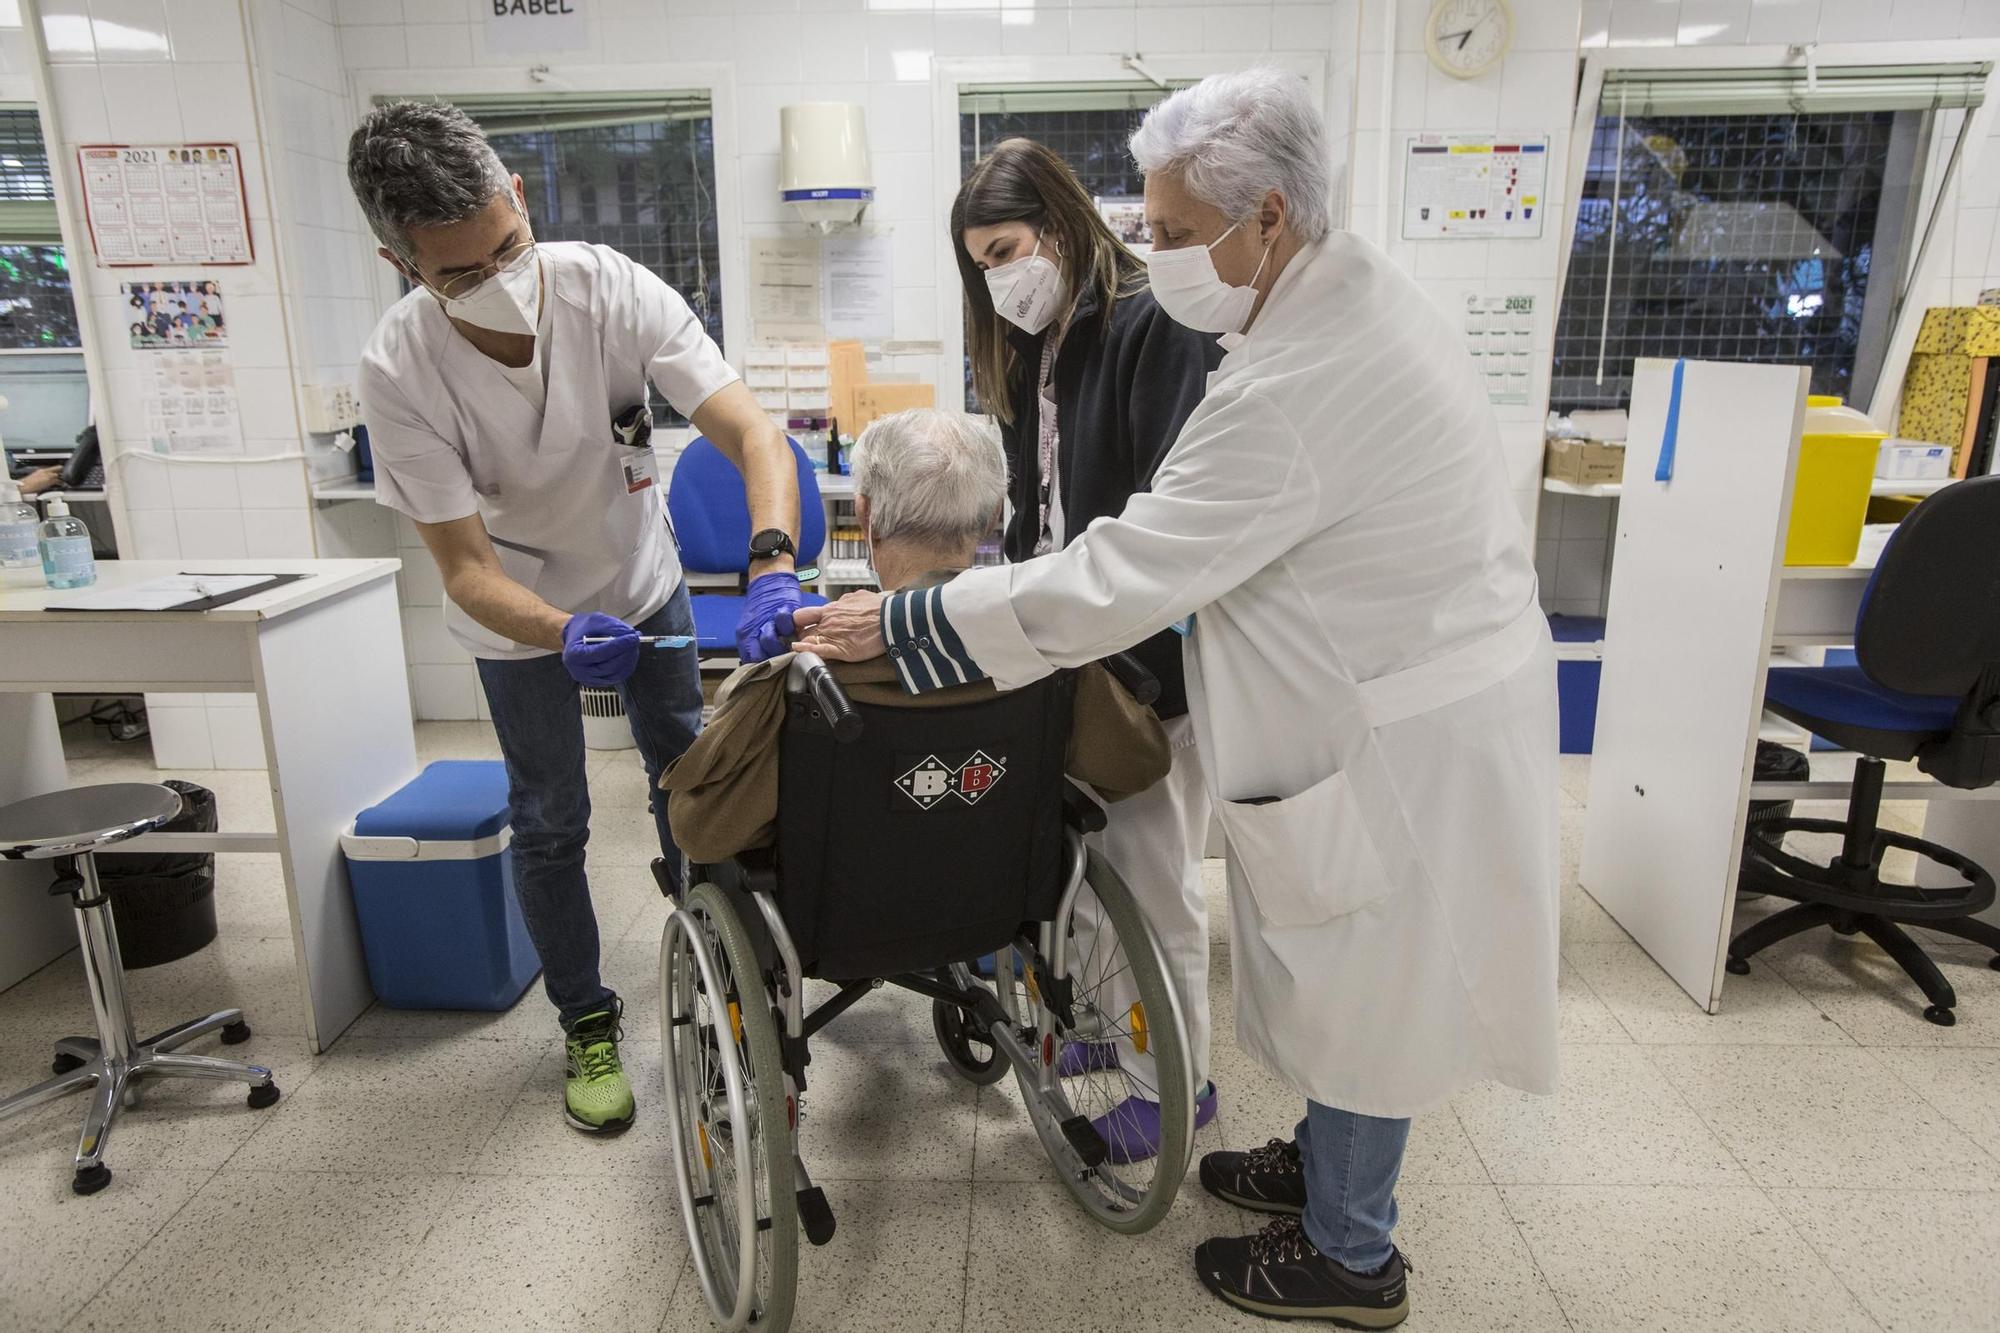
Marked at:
<point>881,400</point>
<point>1902,461</point>
<point>1584,462</point>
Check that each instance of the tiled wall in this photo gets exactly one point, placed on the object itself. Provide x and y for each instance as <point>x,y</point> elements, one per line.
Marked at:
<point>154,71</point>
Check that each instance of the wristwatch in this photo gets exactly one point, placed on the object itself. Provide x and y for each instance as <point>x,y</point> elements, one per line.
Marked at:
<point>770,542</point>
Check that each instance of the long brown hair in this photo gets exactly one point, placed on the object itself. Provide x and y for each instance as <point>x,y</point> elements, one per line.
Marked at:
<point>1021,181</point>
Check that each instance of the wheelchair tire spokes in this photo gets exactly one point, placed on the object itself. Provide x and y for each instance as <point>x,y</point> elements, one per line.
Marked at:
<point>725,1083</point>
<point>1115,991</point>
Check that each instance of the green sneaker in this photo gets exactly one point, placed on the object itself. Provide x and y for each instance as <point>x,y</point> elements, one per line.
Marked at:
<point>597,1099</point>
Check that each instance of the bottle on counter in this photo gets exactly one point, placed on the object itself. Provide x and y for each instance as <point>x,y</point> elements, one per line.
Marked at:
<point>20,528</point>
<point>67,561</point>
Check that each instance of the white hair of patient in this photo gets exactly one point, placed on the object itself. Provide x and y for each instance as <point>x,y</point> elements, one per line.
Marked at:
<point>931,477</point>
<point>1233,137</point>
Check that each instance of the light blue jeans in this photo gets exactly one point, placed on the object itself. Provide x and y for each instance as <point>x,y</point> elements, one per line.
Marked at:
<point>538,715</point>
<point>1351,1165</point>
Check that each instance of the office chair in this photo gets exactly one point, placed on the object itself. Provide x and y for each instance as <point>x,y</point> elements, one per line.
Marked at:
<point>711,520</point>
<point>1926,687</point>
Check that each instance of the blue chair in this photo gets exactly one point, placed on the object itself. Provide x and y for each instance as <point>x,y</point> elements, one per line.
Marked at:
<point>1925,686</point>
<point>712,526</point>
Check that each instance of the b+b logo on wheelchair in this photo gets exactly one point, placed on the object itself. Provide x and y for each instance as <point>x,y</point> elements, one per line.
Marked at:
<point>933,778</point>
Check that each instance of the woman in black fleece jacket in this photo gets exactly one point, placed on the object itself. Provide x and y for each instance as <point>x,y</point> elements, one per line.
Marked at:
<point>1091,382</point>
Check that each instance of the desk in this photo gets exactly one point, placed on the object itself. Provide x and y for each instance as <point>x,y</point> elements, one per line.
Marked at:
<point>1699,599</point>
<point>324,657</point>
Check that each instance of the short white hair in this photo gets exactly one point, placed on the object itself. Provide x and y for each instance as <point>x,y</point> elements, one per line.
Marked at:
<point>1233,137</point>
<point>930,476</point>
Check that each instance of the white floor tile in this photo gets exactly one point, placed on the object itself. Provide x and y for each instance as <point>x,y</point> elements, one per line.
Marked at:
<point>1097,1279</point>
<point>1858,986</point>
<point>57,1250</point>
<point>896,1264</point>
<point>380,1105</point>
<point>1824,1117</point>
<point>1471,1269</point>
<point>1613,1121</point>
<point>534,1131</point>
<point>1760,1009</point>
<point>260,1250</point>
<point>1963,1085</point>
<point>1916,1261</point>
<point>531,1252</point>
<point>1584,1018</point>
<point>887,1112</point>
<point>1584,922</point>
<point>1652,1257</point>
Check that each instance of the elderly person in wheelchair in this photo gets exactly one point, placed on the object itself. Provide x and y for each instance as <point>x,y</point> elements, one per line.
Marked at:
<point>840,829</point>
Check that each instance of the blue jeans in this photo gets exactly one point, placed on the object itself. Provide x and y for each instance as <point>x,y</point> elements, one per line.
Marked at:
<point>538,714</point>
<point>1351,1164</point>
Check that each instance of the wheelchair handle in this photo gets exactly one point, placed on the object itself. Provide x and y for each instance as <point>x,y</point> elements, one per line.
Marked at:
<point>1138,680</point>
<point>810,676</point>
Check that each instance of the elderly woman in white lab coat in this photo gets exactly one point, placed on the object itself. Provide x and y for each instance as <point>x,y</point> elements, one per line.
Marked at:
<point>1371,681</point>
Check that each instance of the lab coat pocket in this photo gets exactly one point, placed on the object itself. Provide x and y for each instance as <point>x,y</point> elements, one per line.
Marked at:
<point>1307,858</point>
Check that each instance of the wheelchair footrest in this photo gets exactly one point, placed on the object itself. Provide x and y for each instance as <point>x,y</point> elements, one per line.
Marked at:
<point>1084,1138</point>
<point>815,1215</point>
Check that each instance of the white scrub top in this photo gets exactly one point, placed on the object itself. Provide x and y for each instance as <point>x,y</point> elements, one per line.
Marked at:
<point>452,437</point>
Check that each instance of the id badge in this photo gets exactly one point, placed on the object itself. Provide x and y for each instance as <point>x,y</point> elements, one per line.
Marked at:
<point>641,469</point>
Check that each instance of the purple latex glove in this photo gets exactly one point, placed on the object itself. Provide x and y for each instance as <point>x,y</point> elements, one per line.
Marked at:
<point>600,664</point>
<point>766,628</point>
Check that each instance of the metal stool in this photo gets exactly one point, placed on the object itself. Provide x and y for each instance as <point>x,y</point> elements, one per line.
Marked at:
<point>68,827</point>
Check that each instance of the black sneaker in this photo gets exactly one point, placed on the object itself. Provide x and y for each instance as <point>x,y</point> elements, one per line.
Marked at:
<point>1280,1274</point>
<point>1270,1179</point>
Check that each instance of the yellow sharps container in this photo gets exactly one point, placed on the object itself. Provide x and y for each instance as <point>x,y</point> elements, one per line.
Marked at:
<point>1830,497</point>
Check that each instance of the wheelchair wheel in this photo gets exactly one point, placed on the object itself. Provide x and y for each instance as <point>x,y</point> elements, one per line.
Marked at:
<point>971,1058</point>
<point>725,1082</point>
<point>1120,994</point>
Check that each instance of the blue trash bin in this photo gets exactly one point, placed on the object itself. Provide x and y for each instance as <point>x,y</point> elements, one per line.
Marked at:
<point>433,887</point>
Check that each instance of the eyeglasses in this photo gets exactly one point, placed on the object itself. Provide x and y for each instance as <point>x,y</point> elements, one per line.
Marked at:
<point>510,262</point>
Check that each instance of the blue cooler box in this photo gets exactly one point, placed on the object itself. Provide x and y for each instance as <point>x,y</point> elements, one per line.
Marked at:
<point>434,889</point>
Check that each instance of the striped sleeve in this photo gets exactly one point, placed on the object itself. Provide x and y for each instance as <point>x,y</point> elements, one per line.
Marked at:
<point>927,651</point>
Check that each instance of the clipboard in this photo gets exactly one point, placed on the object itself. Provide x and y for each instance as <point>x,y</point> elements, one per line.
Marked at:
<point>140,599</point>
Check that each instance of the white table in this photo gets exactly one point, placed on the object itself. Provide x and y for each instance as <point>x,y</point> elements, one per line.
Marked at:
<point>324,656</point>
<point>1700,598</point>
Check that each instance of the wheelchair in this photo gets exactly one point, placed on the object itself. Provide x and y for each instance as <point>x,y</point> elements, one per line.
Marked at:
<point>936,836</point>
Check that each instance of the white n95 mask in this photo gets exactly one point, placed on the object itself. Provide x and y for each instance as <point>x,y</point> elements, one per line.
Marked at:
<point>1026,291</point>
<point>1189,289</point>
<point>504,303</point>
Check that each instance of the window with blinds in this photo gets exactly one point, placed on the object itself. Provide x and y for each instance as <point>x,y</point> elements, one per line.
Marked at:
<point>1748,215</point>
<point>634,171</point>
<point>36,312</point>
<point>1085,124</point>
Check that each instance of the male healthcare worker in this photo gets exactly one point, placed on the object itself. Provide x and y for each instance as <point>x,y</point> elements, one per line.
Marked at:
<point>506,401</point>
<point>1371,681</point>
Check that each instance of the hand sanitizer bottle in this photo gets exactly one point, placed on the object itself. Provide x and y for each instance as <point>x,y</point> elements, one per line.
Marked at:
<point>20,529</point>
<point>66,558</point>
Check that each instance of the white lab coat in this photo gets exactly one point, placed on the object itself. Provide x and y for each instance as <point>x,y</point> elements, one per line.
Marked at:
<point>452,437</point>
<point>1371,680</point>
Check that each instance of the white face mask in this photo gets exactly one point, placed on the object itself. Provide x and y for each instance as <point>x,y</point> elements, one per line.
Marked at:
<point>1026,292</point>
<point>1189,289</point>
<point>504,303</point>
